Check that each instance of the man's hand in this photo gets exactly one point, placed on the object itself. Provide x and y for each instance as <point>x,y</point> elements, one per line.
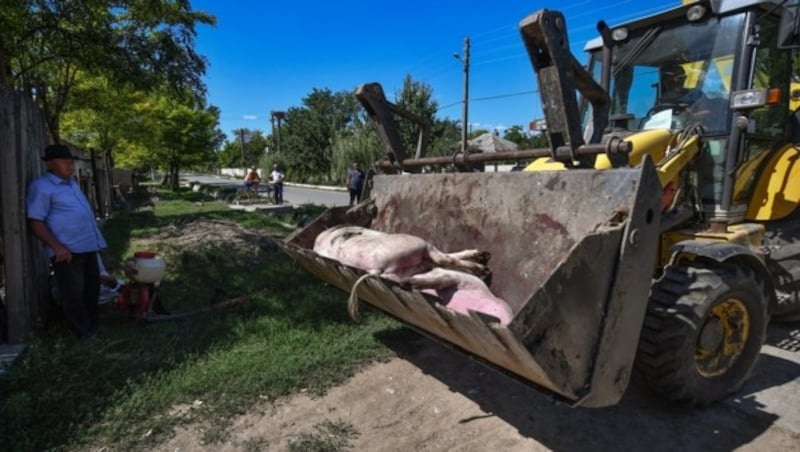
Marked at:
<point>62,254</point>
<point>40,230</point>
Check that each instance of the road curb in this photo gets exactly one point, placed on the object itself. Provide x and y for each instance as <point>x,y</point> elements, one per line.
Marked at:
<point>288,184</point>
<point>318,187</point>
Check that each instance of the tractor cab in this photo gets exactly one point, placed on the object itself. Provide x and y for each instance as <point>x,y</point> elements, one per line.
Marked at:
<point>711,69</point>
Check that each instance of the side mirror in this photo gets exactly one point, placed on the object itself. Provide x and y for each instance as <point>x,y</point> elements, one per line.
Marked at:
<point>789,29</point>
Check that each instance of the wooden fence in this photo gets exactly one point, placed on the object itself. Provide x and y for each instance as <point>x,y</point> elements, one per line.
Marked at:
<point>24,275</point>
<point>24,269</point>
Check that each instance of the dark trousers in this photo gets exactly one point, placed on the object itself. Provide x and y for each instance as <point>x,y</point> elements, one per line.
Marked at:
<point>355,195</point>
<point>278,192</point>
<point>78,283</point>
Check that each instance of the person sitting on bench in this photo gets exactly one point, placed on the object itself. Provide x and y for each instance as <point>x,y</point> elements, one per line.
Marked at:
<point>252,179</point>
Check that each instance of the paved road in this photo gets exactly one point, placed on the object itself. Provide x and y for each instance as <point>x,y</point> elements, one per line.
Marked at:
<point>295,194</point>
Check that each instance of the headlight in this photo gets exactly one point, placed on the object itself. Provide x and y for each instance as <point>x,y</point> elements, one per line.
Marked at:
<point>619,34</point>
<point>696,13</point>
<point>751,98</point>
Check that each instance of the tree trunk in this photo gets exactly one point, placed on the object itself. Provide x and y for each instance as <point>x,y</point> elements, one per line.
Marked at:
<point>175,170</point>
<point>5,68</point>
<point>170,178</point>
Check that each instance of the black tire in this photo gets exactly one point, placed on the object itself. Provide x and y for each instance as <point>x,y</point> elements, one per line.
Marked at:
<point>694,311</point>
<point>784,265</point>
<point>783,262</point>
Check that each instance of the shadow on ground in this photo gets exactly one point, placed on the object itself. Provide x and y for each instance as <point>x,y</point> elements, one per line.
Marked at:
<point>641,421</point>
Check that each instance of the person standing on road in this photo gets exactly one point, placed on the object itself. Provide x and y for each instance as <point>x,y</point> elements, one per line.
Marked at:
<point>355,182</point>
<point>62,218</point>
<point>276,176</point>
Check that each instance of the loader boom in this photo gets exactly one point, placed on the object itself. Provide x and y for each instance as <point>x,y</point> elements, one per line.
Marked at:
<point>559,74</point>
<point>382,112</point>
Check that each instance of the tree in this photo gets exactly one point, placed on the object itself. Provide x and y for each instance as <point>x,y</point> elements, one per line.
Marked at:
<point>187,138</point>
<point>111,119</point>
<point>45,44</point>
<point>308,133</point>
<point>517,134</point>
<point>417,98</point>
<point>445,137</point>
<point>12,23</point>
<point>357,145</point>
<point>246,148</point>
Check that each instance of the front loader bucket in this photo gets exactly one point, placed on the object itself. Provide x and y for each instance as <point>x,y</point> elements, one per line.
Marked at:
<point>573,253</point>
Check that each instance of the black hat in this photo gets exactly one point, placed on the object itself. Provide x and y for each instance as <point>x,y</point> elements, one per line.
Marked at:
<point>57,151</point>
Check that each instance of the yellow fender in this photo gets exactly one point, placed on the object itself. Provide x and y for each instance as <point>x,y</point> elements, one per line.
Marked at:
<point>777,193</point>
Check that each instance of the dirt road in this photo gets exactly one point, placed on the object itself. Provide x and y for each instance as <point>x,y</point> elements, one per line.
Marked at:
<point>434,399</point>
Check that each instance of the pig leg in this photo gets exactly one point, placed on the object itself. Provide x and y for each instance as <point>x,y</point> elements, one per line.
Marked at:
<point>467,261</point>
<point>481,257</point>
<point>436,279</point>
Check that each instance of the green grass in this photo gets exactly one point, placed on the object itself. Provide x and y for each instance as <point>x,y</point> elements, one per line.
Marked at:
<point>132,387</point>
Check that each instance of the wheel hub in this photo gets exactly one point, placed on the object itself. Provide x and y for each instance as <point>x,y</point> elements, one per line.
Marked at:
<point>722,337</point>
<point>712,334</point>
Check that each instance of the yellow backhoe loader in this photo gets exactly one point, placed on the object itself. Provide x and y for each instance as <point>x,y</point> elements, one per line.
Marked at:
<point>658,232</point>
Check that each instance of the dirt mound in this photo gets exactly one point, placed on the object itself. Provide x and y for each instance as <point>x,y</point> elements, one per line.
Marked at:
<point>210,242</point>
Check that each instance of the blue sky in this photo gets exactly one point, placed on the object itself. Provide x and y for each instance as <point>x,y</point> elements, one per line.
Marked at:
<point>268,56</point>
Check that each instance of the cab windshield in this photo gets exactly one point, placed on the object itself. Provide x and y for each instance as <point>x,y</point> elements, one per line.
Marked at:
<point>674,75</point>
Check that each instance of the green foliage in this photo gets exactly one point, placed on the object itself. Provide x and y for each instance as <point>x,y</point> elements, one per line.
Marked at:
<point>187,136</point>
<point>246,148</point>
<point>46,44</point>
<point>517,135</point>
<point>416,98</point>
<point>123,77</point>
<point>109,118</point>
<point>130,389</point>
<point>361,145</point>
<point>308,133</point>
<point>445,137</point>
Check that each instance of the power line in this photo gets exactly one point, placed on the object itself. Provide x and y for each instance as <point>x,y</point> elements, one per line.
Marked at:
<point>497,96</point>
<point>433,66</point>
<point>576,44</point>
<point>507,32</point>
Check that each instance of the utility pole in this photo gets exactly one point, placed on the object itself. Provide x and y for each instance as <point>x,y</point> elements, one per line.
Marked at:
<point>465,110</point>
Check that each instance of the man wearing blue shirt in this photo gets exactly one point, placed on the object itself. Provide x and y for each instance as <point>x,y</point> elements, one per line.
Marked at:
<point>60,216</point>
